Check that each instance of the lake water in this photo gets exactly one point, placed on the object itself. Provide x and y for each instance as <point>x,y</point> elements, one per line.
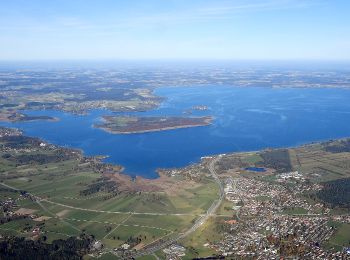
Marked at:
<point>245,119</point>
<point>255,169</point>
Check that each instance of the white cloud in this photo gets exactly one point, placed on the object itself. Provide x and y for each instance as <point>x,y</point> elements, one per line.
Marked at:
<point>232,7</point>
<point>216,10</point>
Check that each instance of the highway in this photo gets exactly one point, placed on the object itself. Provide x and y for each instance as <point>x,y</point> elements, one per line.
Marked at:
<point>152,248</point>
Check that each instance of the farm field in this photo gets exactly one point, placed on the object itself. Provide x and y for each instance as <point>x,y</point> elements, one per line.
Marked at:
<point>67,197</point>
<point>64,194</point>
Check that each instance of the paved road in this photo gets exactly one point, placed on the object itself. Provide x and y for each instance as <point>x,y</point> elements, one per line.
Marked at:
<point>151,249</point>
<point>117,212</point>
<point>37,200</point>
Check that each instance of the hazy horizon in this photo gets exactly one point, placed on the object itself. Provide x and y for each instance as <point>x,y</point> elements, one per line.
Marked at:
<point>321,65</point>
<point>157,30</point>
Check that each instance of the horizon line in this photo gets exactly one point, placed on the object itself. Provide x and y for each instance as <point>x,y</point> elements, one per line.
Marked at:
<point>174,59</point>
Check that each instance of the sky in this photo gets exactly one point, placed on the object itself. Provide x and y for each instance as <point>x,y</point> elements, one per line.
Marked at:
<point>175,29</point>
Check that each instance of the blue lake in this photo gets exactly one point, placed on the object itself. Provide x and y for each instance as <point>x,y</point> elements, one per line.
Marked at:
<point>245,119</point>
<point>255,169</point>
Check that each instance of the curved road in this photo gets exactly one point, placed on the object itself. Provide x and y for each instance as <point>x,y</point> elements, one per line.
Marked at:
<point>151,249</point>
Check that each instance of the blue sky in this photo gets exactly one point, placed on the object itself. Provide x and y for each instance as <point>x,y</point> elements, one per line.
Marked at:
<point>175,29</point>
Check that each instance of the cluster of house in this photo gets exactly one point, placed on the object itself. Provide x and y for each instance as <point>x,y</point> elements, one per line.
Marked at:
<point>259,197</point>
<point>8,204</point>
<point>341,218</point>
<point>263,229</point>
<point>10,207</point>
<point>9,132</point>
<point>191,172</point>
<point>13,212</point>
<point>290,175</point>
<point>230,191</point>
<point>174,252</point>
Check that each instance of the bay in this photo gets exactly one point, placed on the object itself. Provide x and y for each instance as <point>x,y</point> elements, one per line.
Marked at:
<point>246,119</point>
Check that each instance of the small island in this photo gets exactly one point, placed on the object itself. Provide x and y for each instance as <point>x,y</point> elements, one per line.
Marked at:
<point>133,125</point>
<point>19,117</point>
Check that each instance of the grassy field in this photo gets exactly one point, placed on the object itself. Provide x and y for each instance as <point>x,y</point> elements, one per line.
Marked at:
<point>226,208</point>
<point>72,214</point>
<point>145,216</point>
<point>114,220</point>
<point>295,211</point>
<point>196,242</point>
<point>341,238</point>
